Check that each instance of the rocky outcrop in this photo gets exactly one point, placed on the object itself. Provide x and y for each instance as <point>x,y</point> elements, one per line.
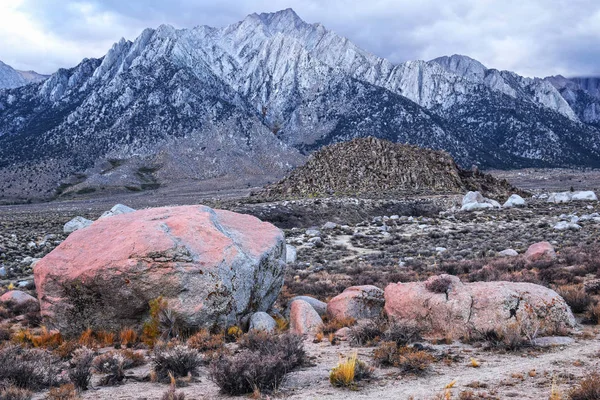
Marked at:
<point>212,267</point>
<point>372,165</point>
<point>444,305</point>
<point>358,302</point>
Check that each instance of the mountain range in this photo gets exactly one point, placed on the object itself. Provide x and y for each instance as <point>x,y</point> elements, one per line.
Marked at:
<point>246,103</point>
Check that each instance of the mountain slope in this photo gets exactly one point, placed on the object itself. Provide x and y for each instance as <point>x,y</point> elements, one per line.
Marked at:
<point>11,78</point>
<point>246,103</point>
<point>582,94</point>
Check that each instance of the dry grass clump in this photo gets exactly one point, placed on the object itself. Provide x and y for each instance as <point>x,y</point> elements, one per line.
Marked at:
<point>335,324</point>
<point>587,389</point>
<point>349,371</point>
<point>593,314</point>
<point>66,349</point>
<point>576,297</point>
<point>204,341</point>
<point>68,391</point>
<point>261,364</point>
<point>507,337</point>
<point>47,339</point>
<point>172,394</point>
<point>29,368</point>
<point>402,334</point>
<point>408,359</point>
<point>128,337</point>
<point>14,393</point>
<point>110,364</point>
<point>177,361</point>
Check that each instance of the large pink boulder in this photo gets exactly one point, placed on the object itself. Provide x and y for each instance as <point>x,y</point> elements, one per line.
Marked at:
<point>304,320</point>
<point>358,302</point>
<point>478,307</point>
<point>539,251</point>
<point>213,267</point>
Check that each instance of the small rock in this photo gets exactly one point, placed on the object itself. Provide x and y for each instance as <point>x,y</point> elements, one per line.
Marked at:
<point>508,253</point>
<point>552,341</point>
<point>329,226</point>
<point>3,272</point>
<point>291,254</point>
<point>514,201</point>
<point>17,297</point>
<point>76,224</point>
<point>313,233</point>
<point>319,306</point>
<point>357,302</point>
<point>117,210</point>
<point>584,196</point>
<point>261,321</point>
<point>440,250</point>
<point>304,319</point>
<point>564,225</point>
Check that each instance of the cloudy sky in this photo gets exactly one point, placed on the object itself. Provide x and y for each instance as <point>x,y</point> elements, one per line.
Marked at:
<point>531,37</point>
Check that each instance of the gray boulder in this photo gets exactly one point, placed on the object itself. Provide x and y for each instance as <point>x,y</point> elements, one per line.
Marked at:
<point>514,201</point>
<point>117,210</point>
<point>261,321</point>
<point>291,254</point>
<point>508,253</point>
<point>76,224</point>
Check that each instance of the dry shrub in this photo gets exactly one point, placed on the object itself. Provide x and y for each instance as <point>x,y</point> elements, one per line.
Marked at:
<point>593,314</point>
<point>23,337</point>
<point>408,359</point>
<point>402,334</point>
<point>349,371</point>
<point>132,359</point>
<point>335,324</point>
<point>112,365</point>
<point>261,364</point>
<point>67,391</point>
<point>178,361</point>
<point>88,339</point>
<point>128,337</point>
<point>4,334</point>
<point>587,389</point>
<point>440,284</point>
<point>66,349</point>
<point>106,338</point>
<point>507,337</point>
<point>15,393</point>
<point>575,296</point>
<point>203,341</point>
<point>80,369</point>
<point>164,323</point>
<point>29,368</point>
<point>282,324</point>
<point>171,394</point>
<point>47,339</point>
<point>366,333</point>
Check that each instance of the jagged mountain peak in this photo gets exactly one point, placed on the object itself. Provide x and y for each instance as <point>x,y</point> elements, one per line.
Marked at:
<point>11,78</point>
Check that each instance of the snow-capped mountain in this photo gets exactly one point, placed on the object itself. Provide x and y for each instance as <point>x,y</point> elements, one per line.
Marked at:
<point>250,100</point>
<point>11,78</point>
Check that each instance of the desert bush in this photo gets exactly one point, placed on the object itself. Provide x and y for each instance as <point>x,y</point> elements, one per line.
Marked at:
<point>128,337</point>
<point>178,361</point>
<point>440,284</point>
<point>203,341</point>
<point>80,369</point>
<point>349,371</point>
<point>132,358</point>
<point>593,314</point>
<point>15,393</point>
<point>4,334</point>
<point>402,334</point>
<point>106,338</point>
<point>333,325</point>
<point>29,368</point>
<point>386,354</point>
<point>366,333</point>
<point>288,346</point>
<point>408,359</point>
<point>171,394</point>
<point>261,364</point>
<point>68,391</point>
<point>47,339</point>
<point>66,349</point>
<point>507,337</point>
<point>587,389</point>
<point>88,339</point>
<point>110,364</point>
<point>576,297</point>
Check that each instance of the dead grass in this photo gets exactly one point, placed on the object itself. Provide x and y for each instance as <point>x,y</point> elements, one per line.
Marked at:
<point>587,389</point>
<point>349,371</point>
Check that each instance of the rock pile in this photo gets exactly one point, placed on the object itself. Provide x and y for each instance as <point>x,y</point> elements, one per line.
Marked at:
<point>369,165</point>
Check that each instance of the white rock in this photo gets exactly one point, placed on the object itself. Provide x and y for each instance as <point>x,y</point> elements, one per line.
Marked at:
<point>514,201</point>
<point>117,210</point>
<point>508,253</point>
<point>441,249</point>
<point>261,321</point>
<point>329,225</point>
<point>291,255</point>
<point>564,225</point>
<point>76,224</point>
<point>584,196</point>
<point>476,206</point>
<point>313,232</point>
<point>472,197</point>
<point>557,198</point>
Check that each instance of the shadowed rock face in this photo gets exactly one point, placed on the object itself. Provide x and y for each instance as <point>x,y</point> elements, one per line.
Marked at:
<point>213,267</point>
<point>445,305</point>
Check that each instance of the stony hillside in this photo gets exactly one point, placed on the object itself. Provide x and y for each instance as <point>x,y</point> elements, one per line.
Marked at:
<point>371,165</point>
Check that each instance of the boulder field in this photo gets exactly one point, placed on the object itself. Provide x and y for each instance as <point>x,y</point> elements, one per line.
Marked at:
<point>212,267</point>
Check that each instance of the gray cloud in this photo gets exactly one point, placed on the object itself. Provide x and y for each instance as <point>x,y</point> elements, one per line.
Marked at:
<point>531,37</point>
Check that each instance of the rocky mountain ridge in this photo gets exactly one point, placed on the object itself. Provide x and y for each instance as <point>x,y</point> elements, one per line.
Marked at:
<point>11,78</point>
<point>246,103</point>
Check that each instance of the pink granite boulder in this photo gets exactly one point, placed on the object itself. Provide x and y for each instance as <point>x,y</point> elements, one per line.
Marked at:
<point>467,308</point>
<point>213,267</point>
<point>358,302</point>
<point>540,251</point>
<point>17,297</point>
<point>304,320</point>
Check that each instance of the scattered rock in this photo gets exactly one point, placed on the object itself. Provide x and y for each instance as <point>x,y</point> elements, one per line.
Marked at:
<point>479,306</point>
<point>291,255</point>
<point>329,226</point>
<point>358,302</point>
<point>475,201</point>
<point>304,320</point>
<point>514,201</point>
<point>564,225</point>
<point>584,196</point>
<point>117,210</point>
<point>342,333</point>
<point>508,253</point>
<point>538,251</point>
<point>261,321</point>
<point>17,297</point>
<point>75,224</point>
<point>566,197</point>
<point>212,267</point>
<point>319,306</point>
<point>552,341</point>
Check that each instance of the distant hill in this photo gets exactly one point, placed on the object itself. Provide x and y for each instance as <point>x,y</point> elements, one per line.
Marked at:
<point>11,78</point>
